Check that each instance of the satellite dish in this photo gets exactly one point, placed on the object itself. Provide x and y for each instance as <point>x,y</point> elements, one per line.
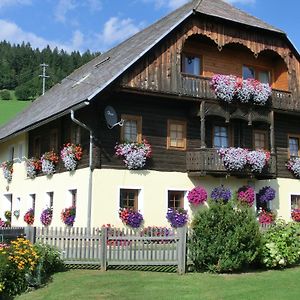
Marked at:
<point>111,117</point>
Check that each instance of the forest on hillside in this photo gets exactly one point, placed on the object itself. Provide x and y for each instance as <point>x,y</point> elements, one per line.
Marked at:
<point>20,67</point>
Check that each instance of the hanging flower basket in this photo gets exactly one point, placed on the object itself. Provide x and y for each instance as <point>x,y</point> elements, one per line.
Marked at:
<point>68,215</point>
<point>33,167</point>
<point>266,216</point>
<point>234,159</point>
<point>197,196</point>
<point>29,216</point>
<point>293,165</point>
<point>177,217</point>
<point>46,216</point>
<point>224,86</point>
<point>296,215</point>
<point>7,168</point>
<point>134,155</point>
<point>257,160</point>
<point>265,194</point>
<point>71,154</point>
<point>221,194</point>
<point>131,218</point>
<point>246,195</point>
<point>49,161</point>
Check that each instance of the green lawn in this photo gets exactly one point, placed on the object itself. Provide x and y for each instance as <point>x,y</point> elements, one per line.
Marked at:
<point>87,284</point>
<point>9,108</point>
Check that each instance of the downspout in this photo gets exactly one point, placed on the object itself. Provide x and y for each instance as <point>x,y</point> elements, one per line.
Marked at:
<point>90,184</point>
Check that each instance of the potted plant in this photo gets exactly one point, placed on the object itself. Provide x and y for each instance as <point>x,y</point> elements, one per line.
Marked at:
<point>221,194</point>
<point>246,194</point>
<point>197,196</point>
<point>177,217</point>
<point>134,155</point>
<point>257,160</point>
<point>46,216</point>
<point>71,154</point>
<point>29,216</point>
<point>33,167</point>
<point>68,215</point>
<point>131,218</point>
<point>7,167</point>
<point>234,159</point>
<point>49,161</point>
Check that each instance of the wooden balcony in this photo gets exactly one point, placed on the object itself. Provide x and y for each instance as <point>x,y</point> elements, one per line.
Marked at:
<point>208,162</point>
<point>199,87</point>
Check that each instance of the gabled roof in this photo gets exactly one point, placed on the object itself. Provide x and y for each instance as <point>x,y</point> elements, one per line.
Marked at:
<point>89,80</point>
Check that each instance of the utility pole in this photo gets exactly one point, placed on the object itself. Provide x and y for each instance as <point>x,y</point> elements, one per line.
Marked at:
<point>44,76</point>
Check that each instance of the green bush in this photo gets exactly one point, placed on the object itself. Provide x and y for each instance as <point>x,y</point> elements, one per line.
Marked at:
<point>5,95</point>
<point>281,245</point>
<point>224,238</point>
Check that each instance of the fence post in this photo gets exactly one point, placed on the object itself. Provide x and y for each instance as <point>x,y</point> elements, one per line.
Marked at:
<point>30,233</point>
<point>103,248</point>
<point>181,249</point>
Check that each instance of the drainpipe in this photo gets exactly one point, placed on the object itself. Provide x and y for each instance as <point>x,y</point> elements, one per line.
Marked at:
<point>90,185</point>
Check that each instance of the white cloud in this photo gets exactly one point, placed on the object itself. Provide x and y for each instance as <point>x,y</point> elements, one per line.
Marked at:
<point>94,5</point>
<point>62,8</point>
<point>12,33</point>
<point>170,4</point>
<point>7,3</point>
<point>116,30</point>
<point>241,1</point>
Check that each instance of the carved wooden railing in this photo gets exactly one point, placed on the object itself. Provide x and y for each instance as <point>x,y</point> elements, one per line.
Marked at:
<point>199,87</point>
<point>207,161</point>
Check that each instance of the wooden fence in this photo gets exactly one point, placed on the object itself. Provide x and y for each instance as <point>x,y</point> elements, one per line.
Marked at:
<point>113,247</point>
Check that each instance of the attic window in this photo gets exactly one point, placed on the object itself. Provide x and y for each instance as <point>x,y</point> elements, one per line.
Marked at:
<point>81,80</point>
<point>191,64</point>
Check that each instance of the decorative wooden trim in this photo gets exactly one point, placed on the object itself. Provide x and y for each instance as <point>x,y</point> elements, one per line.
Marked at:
<point>177,122</point>
<point>138,119</point>
<point>265,132</point>
<point>297,136</point>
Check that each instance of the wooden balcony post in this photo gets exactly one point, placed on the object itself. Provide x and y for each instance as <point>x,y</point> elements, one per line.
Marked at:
<point>272,136</point>
<point>202,124</point>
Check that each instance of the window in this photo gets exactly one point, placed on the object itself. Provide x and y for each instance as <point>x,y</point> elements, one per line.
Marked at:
<point>36,151</point>
<point>293,146</point>
<point>295,201</point>
<point>53,140</point>
<point>129,198</point>
<point>220,137</point>
<point>32,201</point>
<point>73,196</point>
<point>49,199</point>
<point>175,199</point>
<point>191,64</point>
<point>131,131</point>
<point>176,138</point>
<point>260,139</point>
<point>256,73</point>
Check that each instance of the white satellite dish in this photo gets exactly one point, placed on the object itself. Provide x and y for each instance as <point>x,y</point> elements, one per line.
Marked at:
<point>111,117</point>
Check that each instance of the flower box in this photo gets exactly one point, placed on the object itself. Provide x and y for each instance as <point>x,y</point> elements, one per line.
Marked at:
<point>68,215</point>
<point>293,165</point>
<point>7,168</point>
<point>71,154</point>
<point>33,167</point>
<point>177,217</point>
<point>131,218</point>
<point>49,161</point>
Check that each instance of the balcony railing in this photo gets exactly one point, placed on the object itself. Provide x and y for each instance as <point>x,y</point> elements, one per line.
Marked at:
<point>199,87</point>
<point>207,161</point>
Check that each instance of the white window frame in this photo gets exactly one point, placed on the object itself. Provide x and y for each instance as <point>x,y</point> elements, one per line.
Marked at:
<point>185,199</point>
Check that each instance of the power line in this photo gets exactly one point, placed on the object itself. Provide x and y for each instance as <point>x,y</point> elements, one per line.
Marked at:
<point>44,76</point>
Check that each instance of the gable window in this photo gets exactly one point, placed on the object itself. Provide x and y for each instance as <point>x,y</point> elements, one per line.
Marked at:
<point>175,199</point>
<point>53,140</point>
<point>129,198</point>
<point>131,131</point>
<point>260,139</point>
<point>191,64</point>
<point>256,73</point>
<point>220,137</point>
<point>293,146</point>
<point>176,138</point>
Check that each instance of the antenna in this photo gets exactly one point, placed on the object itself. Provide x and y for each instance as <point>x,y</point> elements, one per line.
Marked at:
<point>111,117</point>
<point>44,76</point>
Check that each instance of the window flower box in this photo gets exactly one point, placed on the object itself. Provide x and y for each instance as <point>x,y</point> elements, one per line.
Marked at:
<point>134,155</point>
<point>7,168</point>
<point>177,217</point>
<point>33,167</point>
<point>71,154</point>
<point>296,214</point>
<point>49,161</point>
<point>131,218</point>
<point>293,165</point>
<point>68,215</point>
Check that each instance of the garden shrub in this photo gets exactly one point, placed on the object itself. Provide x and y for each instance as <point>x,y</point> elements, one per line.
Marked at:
<point>5,95</point>
<point>224,238</point>
<point>281,245</point>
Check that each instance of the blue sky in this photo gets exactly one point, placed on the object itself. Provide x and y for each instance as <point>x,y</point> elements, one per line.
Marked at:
<point>101,24</point>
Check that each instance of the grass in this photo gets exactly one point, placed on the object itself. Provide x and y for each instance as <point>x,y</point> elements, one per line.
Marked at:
<point>87,284</point>
<point>9,109</point>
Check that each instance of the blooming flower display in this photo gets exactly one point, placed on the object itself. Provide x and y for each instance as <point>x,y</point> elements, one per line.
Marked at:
<point>197,196</point>
<point>130,217</point>
<point>234,159</point>
<point>68,215</point>
<point>246,194</point>
<point>257,160</point>
<point>293,165</point>
<point>7,168</point>
<point>221,193</point>
<point>265,194</point>
<point>228,87</point>
<point>177,217</point>
<point>33,167</point>
<point>29,216</point>
<point>71,154</point>
<point>266,216</point>
<point>46,216</point>
<point>296,214</point>
<point>49,162</point>
<point>134,154</point>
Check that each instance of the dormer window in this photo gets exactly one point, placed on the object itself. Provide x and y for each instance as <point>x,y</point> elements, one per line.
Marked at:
<point>256,73</point>
<point>191,64</point>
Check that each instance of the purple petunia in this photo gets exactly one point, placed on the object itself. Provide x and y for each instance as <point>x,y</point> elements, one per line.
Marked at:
<point>177,217</point>
<point>266,194</point>
<point>221,193</point>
